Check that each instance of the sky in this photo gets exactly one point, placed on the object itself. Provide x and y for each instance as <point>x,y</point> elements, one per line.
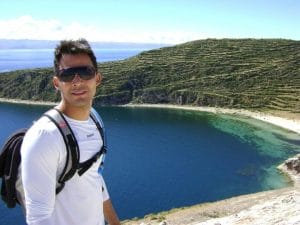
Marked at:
<point>149,21</point>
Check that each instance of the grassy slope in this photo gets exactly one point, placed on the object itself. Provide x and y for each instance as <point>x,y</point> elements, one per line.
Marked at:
<point>239,73</point>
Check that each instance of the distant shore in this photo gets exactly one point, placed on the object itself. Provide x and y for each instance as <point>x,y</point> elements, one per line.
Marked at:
<point>281,119</point>
<point>26,102</point>
<point>284,120</point>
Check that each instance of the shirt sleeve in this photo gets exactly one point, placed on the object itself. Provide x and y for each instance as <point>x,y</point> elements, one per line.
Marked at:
<point>40,160</point>
<point>105,194</point>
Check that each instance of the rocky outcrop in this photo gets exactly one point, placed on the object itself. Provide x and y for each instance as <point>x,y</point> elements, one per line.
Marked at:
<point>293,164</point>
<point>279,210</point>
<point>291,167</point>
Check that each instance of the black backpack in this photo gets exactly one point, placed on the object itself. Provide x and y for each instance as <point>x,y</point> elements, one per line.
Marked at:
<point>10,157</point>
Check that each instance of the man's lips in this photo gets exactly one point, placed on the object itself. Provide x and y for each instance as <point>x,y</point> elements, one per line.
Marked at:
<point>79,92</point>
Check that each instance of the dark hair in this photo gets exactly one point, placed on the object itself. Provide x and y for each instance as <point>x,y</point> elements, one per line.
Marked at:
<point>73,47</point>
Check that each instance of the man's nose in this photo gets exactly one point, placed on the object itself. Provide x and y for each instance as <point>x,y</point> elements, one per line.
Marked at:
<point>76,79</point>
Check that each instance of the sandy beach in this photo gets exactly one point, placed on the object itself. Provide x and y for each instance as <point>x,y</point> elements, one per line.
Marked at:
<point>287,121</point>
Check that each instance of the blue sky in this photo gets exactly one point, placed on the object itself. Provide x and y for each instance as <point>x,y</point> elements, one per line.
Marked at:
<point>154,21</point>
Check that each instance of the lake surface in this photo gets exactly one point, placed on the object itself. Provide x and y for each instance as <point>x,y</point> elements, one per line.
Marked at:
<point>161,159</point>
<point>15,59</point>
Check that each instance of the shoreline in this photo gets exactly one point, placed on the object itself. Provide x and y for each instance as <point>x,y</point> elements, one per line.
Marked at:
<point>286,121</point>
<point>26,102</point>
<point>245,208</point>
<point>272,207</point>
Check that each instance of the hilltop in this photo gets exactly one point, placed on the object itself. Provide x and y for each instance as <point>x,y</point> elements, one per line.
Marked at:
<point>261,74</point>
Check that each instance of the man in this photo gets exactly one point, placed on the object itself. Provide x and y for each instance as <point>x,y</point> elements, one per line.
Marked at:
<point>84,200</point>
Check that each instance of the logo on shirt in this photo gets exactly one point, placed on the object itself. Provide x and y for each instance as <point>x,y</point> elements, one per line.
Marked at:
<point>90,135</point>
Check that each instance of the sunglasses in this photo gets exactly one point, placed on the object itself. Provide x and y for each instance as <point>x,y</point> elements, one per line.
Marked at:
<point>84,72</point>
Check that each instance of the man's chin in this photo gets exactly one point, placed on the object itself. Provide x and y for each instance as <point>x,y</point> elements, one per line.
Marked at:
<point>82,102</point>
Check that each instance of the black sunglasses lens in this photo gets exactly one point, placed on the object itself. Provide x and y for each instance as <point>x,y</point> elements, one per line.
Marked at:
<point>85,73</point>
<point>66,75</point>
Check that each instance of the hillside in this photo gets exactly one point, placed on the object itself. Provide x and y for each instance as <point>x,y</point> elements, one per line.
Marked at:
<point>232,73</point>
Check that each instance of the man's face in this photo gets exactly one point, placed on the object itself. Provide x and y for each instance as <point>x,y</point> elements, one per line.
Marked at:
<point>77,92</point>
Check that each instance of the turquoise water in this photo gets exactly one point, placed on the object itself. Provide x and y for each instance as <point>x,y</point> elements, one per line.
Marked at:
<point>161,159</point>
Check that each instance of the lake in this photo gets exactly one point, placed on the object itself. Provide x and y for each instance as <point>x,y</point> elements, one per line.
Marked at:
<point>15,59</point>
<point>160,159</point>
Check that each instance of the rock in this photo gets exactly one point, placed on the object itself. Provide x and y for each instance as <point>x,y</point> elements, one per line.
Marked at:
<point>163,223</point>
<point>281,209</point>
<point>293,163</point>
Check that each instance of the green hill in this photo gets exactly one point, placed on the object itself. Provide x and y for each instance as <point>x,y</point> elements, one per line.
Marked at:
<point>234,73</point>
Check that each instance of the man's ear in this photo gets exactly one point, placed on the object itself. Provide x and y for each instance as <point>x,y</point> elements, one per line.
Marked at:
<point>55,82</point>
<point>98,79</point>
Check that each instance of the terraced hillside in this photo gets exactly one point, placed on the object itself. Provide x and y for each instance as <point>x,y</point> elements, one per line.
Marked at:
<point>239,73</point>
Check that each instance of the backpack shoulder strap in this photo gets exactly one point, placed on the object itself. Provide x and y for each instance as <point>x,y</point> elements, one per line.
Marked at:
<point>100,125</point>
<point>71,146</point>
<point>72,164</point>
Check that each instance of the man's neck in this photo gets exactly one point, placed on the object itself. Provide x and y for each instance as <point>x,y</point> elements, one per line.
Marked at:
<point>74,112</point>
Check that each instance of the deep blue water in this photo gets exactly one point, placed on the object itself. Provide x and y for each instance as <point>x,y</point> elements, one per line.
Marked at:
<point>14,59</point>
<point>161,159</point>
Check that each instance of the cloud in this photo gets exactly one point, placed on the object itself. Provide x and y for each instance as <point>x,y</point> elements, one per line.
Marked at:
<point>26,27</point>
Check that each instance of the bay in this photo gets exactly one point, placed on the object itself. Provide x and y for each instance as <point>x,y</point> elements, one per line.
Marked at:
<point>160,159</point>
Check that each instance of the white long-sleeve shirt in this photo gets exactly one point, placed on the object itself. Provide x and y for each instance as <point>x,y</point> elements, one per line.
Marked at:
<point>43,156</point>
